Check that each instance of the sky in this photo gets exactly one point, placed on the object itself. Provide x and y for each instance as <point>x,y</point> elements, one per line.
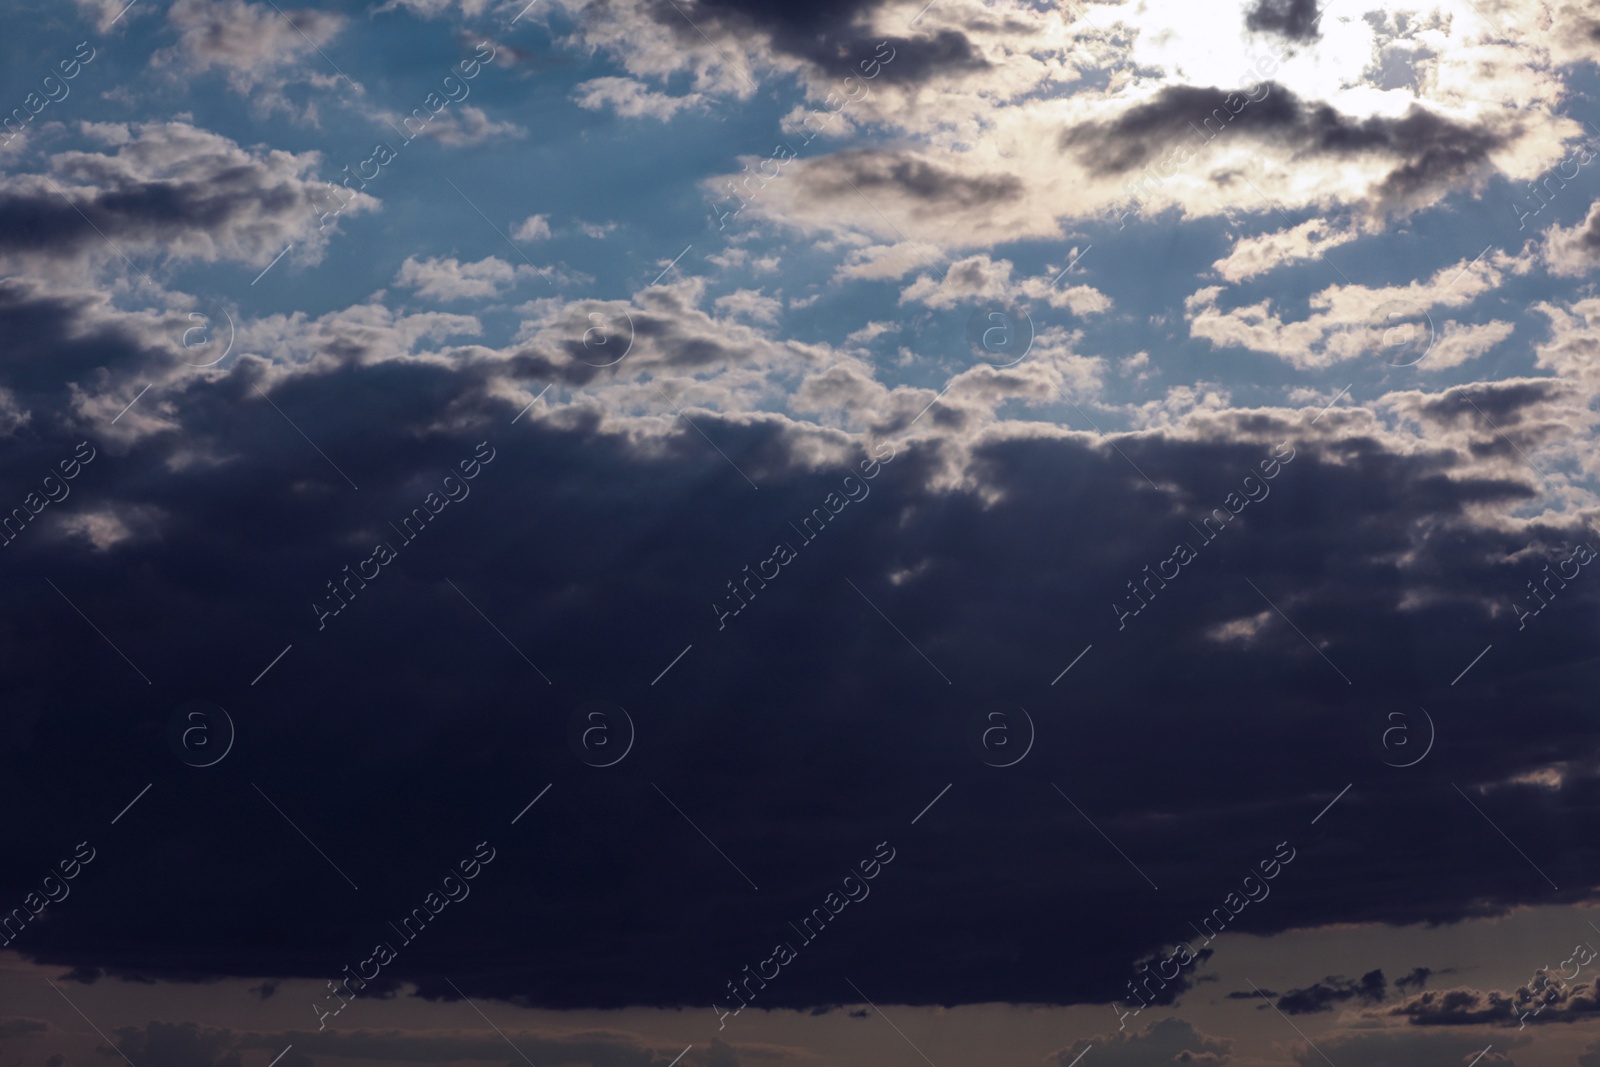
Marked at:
<point>628,533</point>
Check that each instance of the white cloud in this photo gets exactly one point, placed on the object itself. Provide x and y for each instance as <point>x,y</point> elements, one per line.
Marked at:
<point>632,99</point>
<point>450,279</point>
<point>532,228</point>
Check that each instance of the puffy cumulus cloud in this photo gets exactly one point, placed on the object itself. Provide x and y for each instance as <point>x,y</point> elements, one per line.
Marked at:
<point>1167,1043</point>
<point>532,228</point>
<point>1266,252</point>
<point>447,278</point>
<point>255,45</point>
<point>172,187</point>
<point>1005,120</point>
<point>1351,321</point>
<point>1573,251</point>
<point>752,304</point>
<point>664,331</point>
<point>632,99</point>
<point>978,279</point>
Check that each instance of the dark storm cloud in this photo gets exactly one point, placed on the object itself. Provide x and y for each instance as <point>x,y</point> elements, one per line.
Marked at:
<point>190,192</point>
<point>1335,989</point>
<point>1428,150</point>
<point>408,729</point>
<point>1546,1002</point>
<point>832,35</point>
<point>1294,19</point>
<point>922,184</point>
<point>1417,979</point>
